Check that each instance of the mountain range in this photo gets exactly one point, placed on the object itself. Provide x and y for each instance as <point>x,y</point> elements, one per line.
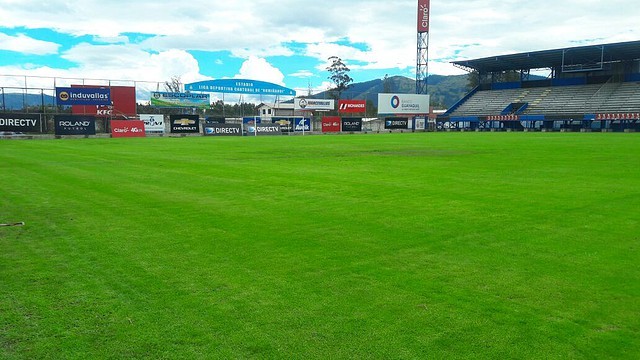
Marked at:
<point>444,90</point>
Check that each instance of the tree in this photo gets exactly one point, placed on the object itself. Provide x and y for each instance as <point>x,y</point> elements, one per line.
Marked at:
<point>173,85</point>
<point>386,84</point>
<point>339,76</point>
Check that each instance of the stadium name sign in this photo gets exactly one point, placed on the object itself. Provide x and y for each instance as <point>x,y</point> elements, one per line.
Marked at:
<point>240,86</point>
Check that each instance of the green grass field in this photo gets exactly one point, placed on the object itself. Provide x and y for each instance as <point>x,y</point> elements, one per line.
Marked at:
<point>395,246</point>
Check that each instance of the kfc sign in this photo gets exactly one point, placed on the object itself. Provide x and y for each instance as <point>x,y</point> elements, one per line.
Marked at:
<point>352,106</point>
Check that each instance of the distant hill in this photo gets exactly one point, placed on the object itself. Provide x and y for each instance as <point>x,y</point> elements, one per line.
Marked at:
<point>444,90</point>
<point>17,101</point>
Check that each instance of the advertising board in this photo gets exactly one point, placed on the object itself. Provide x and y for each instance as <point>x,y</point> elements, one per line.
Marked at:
<point>403,104</point>
<point>153,123</point>
<point>331,124</point>
<point>396,123</point>
<point>351,124</point>
<point>184,124</point>
<point>313,104</point>
<point>302,124</point>
<point>216,129</point>
<point>20,122</point>
<point>127,128</point>
<point>174,99</point>
<point>352,106</point>
<point>423,15</point>
<point>122,106</point>
<point>83,96</point>
<point>264,129</point>
<point>75,125</point>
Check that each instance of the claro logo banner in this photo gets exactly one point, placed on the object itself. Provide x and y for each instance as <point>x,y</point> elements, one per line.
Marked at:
<point>331,124</point>
<point>75,125</point>
<point>127,128</point>
<point>20,122</point>
<point>185,124</point>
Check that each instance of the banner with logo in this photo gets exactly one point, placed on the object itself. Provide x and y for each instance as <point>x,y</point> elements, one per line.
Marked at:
<point>215,120</point>
<point>302,124</point>
<point>123,103</point>
<point>240,86</point>
<point>351,124</point>
<point>313,104</point>
<point>420,123</point>
<point>153,123</point>
<point>184,124</point>
<point>83,96</point>
<point>171,99</point>
<point>331,124</point>
<point>75,125</point>
<point>352,106</point>
<point>214,129</point>
<point>403,104</point>
<point>423,15</point>
<point>396,123</point>
<point>286,124</point>
<point>127,128</point>
<point>20,122</point>
<point>265,129</point>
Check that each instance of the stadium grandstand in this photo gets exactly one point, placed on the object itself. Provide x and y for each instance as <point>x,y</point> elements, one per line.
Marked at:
<point>589,88</point>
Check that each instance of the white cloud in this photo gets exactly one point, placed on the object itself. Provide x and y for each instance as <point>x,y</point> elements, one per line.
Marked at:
<point>259,69</point>
<point>27,45</point>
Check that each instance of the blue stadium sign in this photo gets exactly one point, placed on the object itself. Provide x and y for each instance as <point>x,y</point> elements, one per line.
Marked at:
<point>83,96</point>
<point>240,86</point>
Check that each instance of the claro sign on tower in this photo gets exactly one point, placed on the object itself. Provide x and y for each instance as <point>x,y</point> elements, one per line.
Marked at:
<point>423,15</point>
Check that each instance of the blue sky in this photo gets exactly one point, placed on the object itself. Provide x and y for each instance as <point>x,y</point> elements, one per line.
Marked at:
<point>285,42</point>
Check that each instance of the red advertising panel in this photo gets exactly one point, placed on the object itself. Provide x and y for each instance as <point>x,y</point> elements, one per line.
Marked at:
<point>127,128</point>
<point>352,106</point>
<point>423,15</point>
<point>330,124</point>
<point>123,106</point>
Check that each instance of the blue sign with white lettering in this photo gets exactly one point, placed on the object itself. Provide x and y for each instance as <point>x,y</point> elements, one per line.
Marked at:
<point>302,124</point>
<point>240,86</point>
<point>83,96</point>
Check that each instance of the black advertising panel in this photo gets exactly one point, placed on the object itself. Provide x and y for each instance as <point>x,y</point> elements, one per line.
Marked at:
<point>213,129</point>
<point>75,125</point>
<point>214,120</point>
<point>185,124</point>
<point>285,123</point>
<point>351,124</point>
<point>396,123</point>
<point>20,122</point>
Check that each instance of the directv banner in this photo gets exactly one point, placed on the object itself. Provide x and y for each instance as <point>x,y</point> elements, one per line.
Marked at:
<point>153,123</point>
<point>403,104</point>
<point>273,129</point>
<point>396,123</point>
<point>313,104</point>
<point>351,124</point>
<point>213,129</point>
<point>20,122</point>
<point>83,96</point>
<point>75,125</point>
<point>172,99</point>
<point>184,124</point>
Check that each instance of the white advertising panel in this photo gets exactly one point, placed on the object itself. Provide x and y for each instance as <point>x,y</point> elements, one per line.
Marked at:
<point>153,122</point>
<point>313,104</point>
<point>403,104</point>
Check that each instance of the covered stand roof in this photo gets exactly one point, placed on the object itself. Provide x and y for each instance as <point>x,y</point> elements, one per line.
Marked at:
<point>571,59</point>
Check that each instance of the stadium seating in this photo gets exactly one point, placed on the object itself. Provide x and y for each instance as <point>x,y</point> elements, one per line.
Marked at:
<point>609,97</point>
